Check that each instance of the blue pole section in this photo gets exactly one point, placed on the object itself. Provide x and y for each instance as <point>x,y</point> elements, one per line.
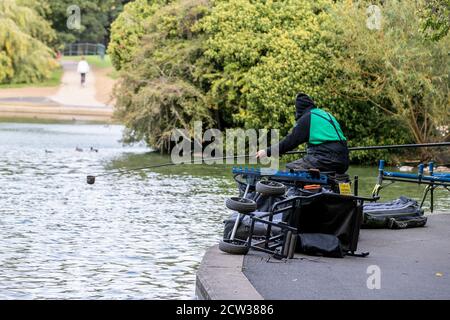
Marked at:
<point>417,177</point>
<point>421,167</point>
<point>380,172</point>
<point>431,187</point>
<point>381,166</point>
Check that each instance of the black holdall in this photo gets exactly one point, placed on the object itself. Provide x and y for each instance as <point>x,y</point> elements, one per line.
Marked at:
<point>402,213</point>
<point>320,244</point>
<point>407,222</point>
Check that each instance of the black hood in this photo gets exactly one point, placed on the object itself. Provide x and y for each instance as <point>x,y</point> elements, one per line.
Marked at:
<point>303,103</point>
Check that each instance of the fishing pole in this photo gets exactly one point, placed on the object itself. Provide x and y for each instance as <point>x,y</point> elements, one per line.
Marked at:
<point>91,178</point>
<point>394,146</point>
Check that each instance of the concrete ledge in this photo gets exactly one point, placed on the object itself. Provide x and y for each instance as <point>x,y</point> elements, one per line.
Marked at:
<point>413,264</point>
<point>220,277</point>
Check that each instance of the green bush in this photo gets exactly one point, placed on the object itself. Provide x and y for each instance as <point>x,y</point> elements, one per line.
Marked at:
<point>267,52</point>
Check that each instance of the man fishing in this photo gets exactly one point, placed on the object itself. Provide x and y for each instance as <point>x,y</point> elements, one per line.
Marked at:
<point>327,146</point>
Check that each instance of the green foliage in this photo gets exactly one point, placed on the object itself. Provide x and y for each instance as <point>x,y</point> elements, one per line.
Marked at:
<point>267,52</point>
<point>42,7</point>
<point>129,28</point>
<point>435,18</point>
<point>24,56</point>
<point>240,63</point>
<point>394,69</point>
<point>164,91</point>
<point>53,81</point>
<point>96,18</point>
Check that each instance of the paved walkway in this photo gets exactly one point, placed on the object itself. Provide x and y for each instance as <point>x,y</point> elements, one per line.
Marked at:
<point>71,93</point>
<point>414,264</point>
<point>70,101</point>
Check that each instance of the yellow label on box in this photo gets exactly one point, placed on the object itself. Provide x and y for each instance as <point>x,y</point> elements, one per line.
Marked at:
<point>344,188</point>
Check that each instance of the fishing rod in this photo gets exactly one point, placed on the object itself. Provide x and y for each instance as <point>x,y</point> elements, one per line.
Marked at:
<point>394,146</point>
<point>91,178</point>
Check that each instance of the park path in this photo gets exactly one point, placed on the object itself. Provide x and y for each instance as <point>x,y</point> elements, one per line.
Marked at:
<point>69,101</point>
<point>71,93</point>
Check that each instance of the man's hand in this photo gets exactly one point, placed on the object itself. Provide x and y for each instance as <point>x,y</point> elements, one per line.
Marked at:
<point>261,154</point>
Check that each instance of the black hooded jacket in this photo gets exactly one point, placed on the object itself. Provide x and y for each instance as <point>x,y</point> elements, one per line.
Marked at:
<point>300,134</point>
<point>335,151</point>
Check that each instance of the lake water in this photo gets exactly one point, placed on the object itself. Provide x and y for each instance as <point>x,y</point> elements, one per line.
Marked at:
<point>140,235</point>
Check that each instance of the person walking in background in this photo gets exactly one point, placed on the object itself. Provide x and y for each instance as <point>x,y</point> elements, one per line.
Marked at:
<point>83,69</point>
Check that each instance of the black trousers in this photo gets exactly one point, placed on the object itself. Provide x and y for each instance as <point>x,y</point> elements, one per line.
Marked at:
<point>83,78</point>
<point>333,163</point>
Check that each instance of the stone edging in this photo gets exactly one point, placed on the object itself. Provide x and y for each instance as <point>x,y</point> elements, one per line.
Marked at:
<point>220,277</point>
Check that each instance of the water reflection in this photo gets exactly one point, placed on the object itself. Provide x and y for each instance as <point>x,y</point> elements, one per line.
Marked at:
<point>133,236</point>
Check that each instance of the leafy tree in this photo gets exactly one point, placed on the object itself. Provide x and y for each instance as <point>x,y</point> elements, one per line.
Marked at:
<point>394,69</point>
<point>436,18</point>
<point>40,6</point>
<point>129,28</point>
<point>96,18</point>
<point>24,55</point>
<point>163,88</point>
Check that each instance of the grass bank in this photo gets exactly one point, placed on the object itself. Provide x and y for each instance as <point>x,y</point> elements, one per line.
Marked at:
<point>53,81</point>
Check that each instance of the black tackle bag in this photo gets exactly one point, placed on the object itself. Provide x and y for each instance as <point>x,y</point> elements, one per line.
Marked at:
<point>319,244</point>
<point>328,224</point>
<point>397,214</point>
